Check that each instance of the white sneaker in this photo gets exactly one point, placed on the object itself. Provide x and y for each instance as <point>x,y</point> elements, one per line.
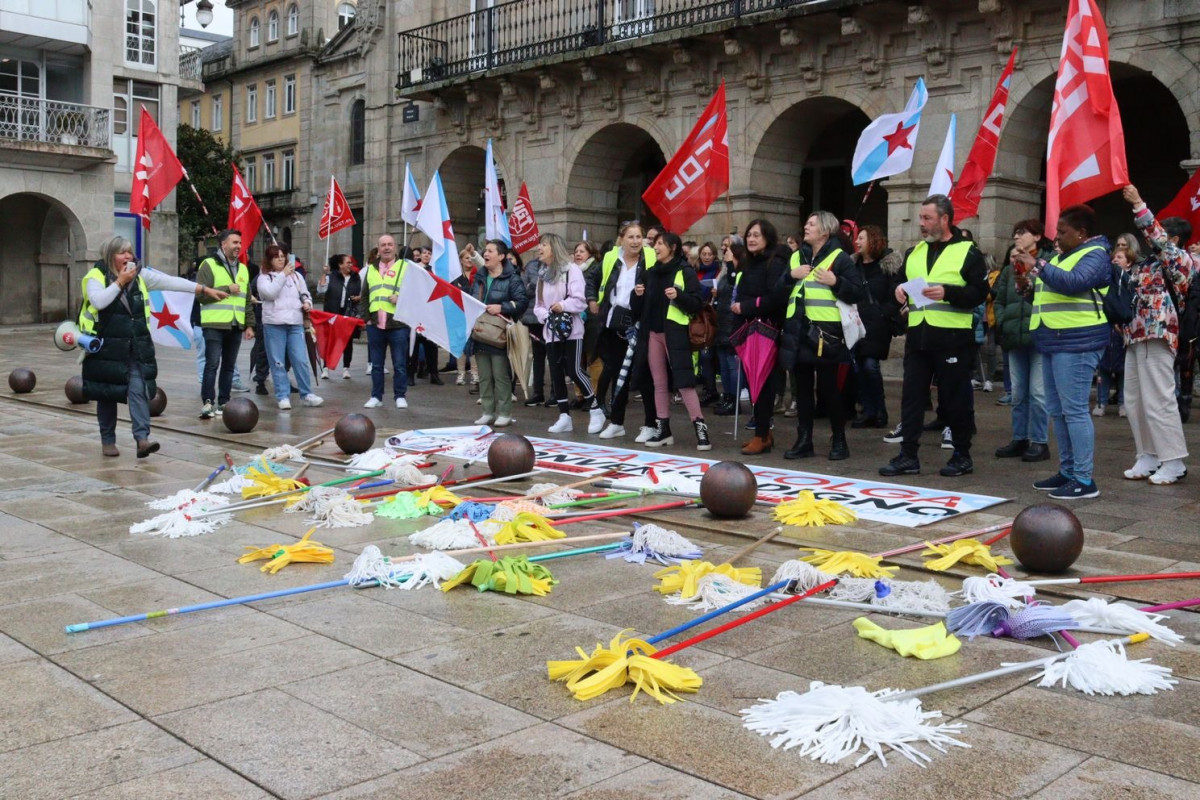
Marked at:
<point>596,421</point>
<point>1098,411</point>
<point>486,419</point>
<point>612,431</point>
<point>1169,472</point>
<point>947,439</point>
<point>285,404</point>
<point>461,379</point>
<point>346,374</point>
<point>987,386</point>
<point>374,402</point>
<point>745,395</point>
<point>1143,468</point>
<point>324,373</point>
<point>645,433</point>
<point>401,402</point>
<point>312,400</point>
<point>502,422</point>
<point>564,424</point>
<point>367,371</point>
<point>1121,410</point>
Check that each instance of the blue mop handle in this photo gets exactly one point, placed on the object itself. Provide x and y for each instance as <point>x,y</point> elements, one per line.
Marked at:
<point>718,612</point>
<point>373,485</point>
<point>204,484</point>
<point>579,551</point>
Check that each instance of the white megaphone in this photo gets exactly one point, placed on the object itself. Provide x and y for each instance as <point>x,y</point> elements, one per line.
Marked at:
<point>68,337</point>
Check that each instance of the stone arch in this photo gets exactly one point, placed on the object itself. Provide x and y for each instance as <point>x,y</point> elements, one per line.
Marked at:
<point>44,241</point>
<point>611,170</point>
<point>462,181</point>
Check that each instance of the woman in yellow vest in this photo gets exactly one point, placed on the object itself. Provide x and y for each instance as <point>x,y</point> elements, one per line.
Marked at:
<point>812,343</point>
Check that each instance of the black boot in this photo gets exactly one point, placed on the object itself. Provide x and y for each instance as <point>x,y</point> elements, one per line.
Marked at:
<point>803,448</point>
<point>702,441</point>
<point>726,407</point>
<point>662,434</point>
<point>839,450</point>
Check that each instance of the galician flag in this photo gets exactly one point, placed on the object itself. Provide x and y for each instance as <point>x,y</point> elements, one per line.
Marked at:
<point>943,173</point>
<point>436,309</point>
<point>434,221</point>
<point>171,318</point>
<point>410,204</point>
<point>886,145</point>
<point>494,221</point>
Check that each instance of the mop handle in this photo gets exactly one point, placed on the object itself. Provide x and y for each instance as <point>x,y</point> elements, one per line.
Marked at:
<point>423,487</point>
<point>626,511</point>
<point>1195,601</point>
<point>740,620</point>
<point>275,498</point>
<point>996,673</point>
<point>775,587</point>
<point>1154,576</point>
<point>599,548</point>
<point>1003,526</point>
<point>593,537</point>
<point>591,501</point>
<point>321,435</point>
<point>212,476</point>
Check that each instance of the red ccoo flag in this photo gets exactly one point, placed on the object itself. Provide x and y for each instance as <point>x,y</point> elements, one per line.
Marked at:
<point>244,214</point>
<point>155,171</point>
<point>968,189</point>
<point>698,173</point>
<point>1085,155</point>
<point>1187,205</point>
<point>522,225</point>
<point>336,213</point>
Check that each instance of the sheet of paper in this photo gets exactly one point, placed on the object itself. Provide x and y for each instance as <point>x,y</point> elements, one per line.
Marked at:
<point>914,289</point>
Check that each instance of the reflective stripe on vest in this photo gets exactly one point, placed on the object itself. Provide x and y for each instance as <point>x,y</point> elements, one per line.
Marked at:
<point>233,308</point>
<point>820,303</point>
<point>1062,311</point>
<point>89,315</point>
<point>674,313</point>
<point>382,287</point>
<point>946,271</point>
<point>610,260</point>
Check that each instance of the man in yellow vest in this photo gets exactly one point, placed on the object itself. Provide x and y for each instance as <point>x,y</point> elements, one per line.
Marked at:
<point>223,321</point>
<point>941,337</point>
<point>1071,331</point>
<point>377,305</point>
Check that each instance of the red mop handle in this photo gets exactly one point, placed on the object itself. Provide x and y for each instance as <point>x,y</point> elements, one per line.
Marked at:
<point>700,637</point>
<point>627,511</point>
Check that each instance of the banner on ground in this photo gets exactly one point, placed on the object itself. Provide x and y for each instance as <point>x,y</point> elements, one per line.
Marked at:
<point>907,506</point>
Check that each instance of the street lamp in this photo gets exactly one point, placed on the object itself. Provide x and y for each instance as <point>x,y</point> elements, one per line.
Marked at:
<point>204,12</point>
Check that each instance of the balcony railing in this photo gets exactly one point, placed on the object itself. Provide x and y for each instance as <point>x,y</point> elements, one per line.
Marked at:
<point>28,119</point>
<point>190,68</point>
<point>525,30</point>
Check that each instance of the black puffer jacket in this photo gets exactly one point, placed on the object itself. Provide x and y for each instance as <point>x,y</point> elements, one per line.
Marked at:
<point>756,291</point>
<point>879,310</point>
<point>795,348</point>
<point>721,304</point>
<point>650,311</point>
<point>125,334</point>
<point>508,291</point>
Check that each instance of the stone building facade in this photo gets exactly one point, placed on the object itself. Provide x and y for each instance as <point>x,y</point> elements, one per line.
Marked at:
<point>73,76</point>
<point>585,100</point>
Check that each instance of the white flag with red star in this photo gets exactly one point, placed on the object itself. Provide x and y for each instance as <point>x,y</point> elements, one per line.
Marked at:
<point>439,311</point>
<point>943,173</point>
<point>171,318</point>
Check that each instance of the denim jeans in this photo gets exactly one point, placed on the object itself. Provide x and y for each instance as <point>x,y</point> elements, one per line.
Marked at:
<point>221,351</point>
<point>870,388</point>
<point>1107,380</point>
<point>1068,383</point>
<point>139,409</point>
<point>285,345</point>
<point>377,344</point>
<point>199,346</point>
<point>1029,418</point>
<point>728,364</point>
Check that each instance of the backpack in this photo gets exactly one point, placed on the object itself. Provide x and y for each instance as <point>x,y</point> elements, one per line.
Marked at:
<point>702,328</point>
<point>1120,300</point>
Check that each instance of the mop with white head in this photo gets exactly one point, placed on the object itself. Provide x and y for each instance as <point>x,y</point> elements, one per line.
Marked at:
<point>284,452</point>
<point>887,594</point>
<point>185,497</point>
<point>426,569</point>
<point>1103,668</point>
<point>456,534</point>
<point>556,494</point>
<point>1097,613</point>
<point>178,522</point>
<point>996,589</point>
<point>656,543</point>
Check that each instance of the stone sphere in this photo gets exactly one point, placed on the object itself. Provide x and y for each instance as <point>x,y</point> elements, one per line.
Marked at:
<point>240,415</point>
<point>354,434</point>
<point>158,403</point>
<point>22,380</point>
<point>728,490</point>
<point>74,390</point>
<point>510,454</point>
<point>1046,538</point>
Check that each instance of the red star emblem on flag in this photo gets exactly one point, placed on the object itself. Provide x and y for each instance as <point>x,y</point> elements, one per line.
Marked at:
<point>899,138</point>
<point>445,289</point>
<point>165,318</point>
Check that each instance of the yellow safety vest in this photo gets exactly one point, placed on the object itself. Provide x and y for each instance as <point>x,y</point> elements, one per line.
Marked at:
<point>946,271</point>
<point>1062,311</point>
<point>381,287</point>
<point>820,303</point>
<point>674,313</point>
<point>233,308</point>
<point>610,260</point>
<point>89,315</point>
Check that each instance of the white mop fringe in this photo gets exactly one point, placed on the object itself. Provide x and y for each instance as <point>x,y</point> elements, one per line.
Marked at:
<point>1097,613</point>
<point>177,522</point>
<point>185,497</point>
<point>454,534</point>
<point>424,570</point>
<point>995,589</point>
<point>232,485</point>
<point>316,500</point>
<point>561,495</point>
<point>371,460</point>
<point>1103,668</point>
<point>341,512</point>
<point>914,595</point>
<point>651,538</point>
<point>715,591</point>
<point>284,452</point>
<point>804,574</point>
<point>830,722</point>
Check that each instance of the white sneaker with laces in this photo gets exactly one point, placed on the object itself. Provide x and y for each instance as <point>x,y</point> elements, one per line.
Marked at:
<point>563,425</point>
<point>324,373</point>
<point>596,420</point>
<point>461,379</point>
<point>374,402</point>
<point>612,431</point>
<point>1143,468</point>
<point>947,439</point>
<point>346,374</point>
<point>645,433</point>
<point>486,419</point>
<point>401,402</point>
<point>1169,472</point>
<point>312,401</point>
<point>285,404</point>
<point>502,422</point>
<point>1098,411</point>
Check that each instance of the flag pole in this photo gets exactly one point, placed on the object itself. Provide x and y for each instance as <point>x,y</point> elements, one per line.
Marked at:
<point>199,200</point>
<point>329,204</point>
<point>863,204</point>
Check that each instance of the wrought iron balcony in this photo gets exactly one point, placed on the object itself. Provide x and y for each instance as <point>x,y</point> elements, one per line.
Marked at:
<point>190,67</point>
<point>527,30</point>
<point>26,119</point>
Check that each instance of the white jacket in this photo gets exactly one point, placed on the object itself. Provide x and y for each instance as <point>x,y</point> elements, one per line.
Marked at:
<point>282,298</point>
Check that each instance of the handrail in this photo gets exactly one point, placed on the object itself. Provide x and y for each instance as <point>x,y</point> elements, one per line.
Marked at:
<point>32,119</point>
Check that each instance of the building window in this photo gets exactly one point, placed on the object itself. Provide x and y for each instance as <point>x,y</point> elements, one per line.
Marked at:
<point>140,21</point>
<point>196,114</point>
<point>289,94</point>
<point>252,103</point>
<point>358,132</point>
<point>273,26</point>
<point>218,109</point>
<point>254,32</point>
<point>346,12</point>
<point>129,97</point>
<point>251,175</point>
<point>293,20</point>
<point>22,78</point>
<point>289,170</point>
<point>269,172</point>
<point>269,100</point>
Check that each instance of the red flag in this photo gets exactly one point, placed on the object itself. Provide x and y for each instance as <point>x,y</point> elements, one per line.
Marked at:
<point>522,225</point>
<point>1187,205</point>
<point>333,332</point>
<point>968,189</point>
<point>1085,156</point>
<point>698,173</point>
<point>336,213</point>
<point>244,214</point>
<point>156,170</point>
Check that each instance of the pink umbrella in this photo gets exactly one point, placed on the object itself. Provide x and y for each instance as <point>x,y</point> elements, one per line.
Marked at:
<point>756,344</point>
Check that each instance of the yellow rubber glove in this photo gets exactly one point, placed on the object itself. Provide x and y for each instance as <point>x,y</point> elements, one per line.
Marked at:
<point>925,643</point>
